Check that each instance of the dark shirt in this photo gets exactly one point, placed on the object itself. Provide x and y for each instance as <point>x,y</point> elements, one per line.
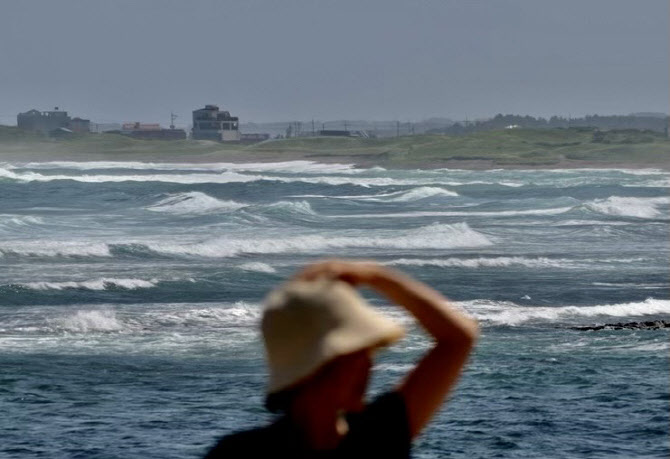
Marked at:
<point>380,430</point>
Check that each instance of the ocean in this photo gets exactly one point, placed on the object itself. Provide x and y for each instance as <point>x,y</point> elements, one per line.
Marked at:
<point>130,295</point>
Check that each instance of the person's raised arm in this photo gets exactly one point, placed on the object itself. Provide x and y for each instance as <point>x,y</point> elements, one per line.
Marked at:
<point>426,386</point>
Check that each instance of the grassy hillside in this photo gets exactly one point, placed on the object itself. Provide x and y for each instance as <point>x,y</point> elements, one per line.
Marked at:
<point>505,148</point>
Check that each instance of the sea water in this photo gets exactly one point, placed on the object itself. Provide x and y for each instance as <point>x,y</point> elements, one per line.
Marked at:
<point>130,295</point>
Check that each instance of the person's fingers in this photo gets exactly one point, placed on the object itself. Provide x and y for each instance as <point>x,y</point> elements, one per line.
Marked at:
<point>316,270</point>
<point>352,272</point>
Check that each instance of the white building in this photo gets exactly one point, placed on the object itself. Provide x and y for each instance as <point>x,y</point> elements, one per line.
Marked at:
<point>211,124</point>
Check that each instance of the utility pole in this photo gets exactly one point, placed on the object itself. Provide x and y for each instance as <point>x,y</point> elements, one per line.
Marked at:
<point>397,128</point>
<point>172,118</point>
<point>345,125</point>
<point>313,132</point>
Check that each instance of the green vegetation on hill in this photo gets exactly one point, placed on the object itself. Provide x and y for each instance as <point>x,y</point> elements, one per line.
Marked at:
<point>505,148</point>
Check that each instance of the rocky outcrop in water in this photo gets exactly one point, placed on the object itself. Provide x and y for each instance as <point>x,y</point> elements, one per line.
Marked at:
<point>648,325</point>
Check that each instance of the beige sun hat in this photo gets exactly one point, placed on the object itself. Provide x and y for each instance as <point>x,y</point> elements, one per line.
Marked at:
<point>307,324</point>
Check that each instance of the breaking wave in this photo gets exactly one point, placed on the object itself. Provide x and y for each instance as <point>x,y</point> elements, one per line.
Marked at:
<point>414,194</point>
<point>55,249</point>
<point>86,322</point>
<point>295,167</point>
<point>508,313</point>
<point>94,284</point>
<point>14,222</point>
<point>193,202</point>
<point>182,317</point>
<point>224,177</point>
<point>231,176</point>
<point>436,236</point>
<point>285,208</point>
<point>258,266</point>
<point>493,262</point>
<point>421,193</point>
<point>458,213</point>
<point>628,207</point>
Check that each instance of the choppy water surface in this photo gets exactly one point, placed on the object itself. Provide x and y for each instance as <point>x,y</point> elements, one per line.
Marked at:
<point>130,292</point>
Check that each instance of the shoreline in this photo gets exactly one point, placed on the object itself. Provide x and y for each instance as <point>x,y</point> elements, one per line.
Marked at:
<point>357,161</point>
<point>476,164</point>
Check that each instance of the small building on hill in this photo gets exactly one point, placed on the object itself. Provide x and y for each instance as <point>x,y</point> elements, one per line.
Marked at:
<point>254,137</point>
<point>210,123</point>
<point>151,131</point>
<point>79,125</point>
<point>50,121</point>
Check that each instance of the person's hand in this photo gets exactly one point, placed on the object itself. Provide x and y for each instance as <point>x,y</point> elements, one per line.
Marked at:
<point>352,272</point>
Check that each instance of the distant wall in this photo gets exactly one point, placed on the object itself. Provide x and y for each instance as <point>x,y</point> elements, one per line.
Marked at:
<point>163,134</point>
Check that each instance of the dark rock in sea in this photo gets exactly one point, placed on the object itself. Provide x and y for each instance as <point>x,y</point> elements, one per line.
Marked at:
<point>648,325</point>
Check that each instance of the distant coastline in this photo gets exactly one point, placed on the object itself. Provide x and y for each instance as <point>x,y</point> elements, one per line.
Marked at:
<point>502,149</point>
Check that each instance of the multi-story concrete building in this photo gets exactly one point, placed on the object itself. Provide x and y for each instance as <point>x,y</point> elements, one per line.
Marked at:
<point>211,124</point>
<point>50,121</point>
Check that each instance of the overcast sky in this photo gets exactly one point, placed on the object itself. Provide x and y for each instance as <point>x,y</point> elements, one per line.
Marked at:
<point>126,60</point>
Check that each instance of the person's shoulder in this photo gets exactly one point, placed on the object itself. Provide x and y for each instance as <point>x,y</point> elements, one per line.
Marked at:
<point>388,403</point>
<point>382,426</point>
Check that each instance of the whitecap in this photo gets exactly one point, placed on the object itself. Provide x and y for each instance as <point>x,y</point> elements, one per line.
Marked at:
<point>628,207</point>
<point>435,236</point>
<point>193,202</point>
<point>12,222</point>
<point>55,249</point>
<point>288,207</point>
<point>258,266</point>
<point>491,262</point>
<point>102,283</point>
<point>87,321</point>
<point>414,194</point>
<point>296,167</point>
<point>474,213</point>
<point>508,313</point>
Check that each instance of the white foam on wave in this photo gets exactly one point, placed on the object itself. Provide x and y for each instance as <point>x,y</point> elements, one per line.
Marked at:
<point>55,249</point>
<point>435,236</point>
<point>87,321</point>
<point>651,347</point>
<point>193,202</point>
<point>258,266</point>
<point>289,207</point>
<point>297,167</point>
<point>662,183</point>
<point>474,213</point>
<point>12,222</point>
<point>423,192</point>
<point>628,207</point>
<point>102,283</point>
<point>508,313</point>
<point>224,177</point>
<point>230,176</point>
<point>414,194</point>
<point>506,183</point>
<point>237,314</point>
<point>590,223</point>
<point>481,262</point>
<point>167,319</point>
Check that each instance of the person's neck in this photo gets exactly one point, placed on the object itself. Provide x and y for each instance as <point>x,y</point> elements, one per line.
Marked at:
<point>321,427</point>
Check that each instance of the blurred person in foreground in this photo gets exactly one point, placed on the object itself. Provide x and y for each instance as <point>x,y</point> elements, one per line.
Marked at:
<point>320,336</point>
